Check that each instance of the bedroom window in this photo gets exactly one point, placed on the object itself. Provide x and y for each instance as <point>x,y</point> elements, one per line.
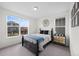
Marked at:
<point>17,26</point>
<point>24,26</point>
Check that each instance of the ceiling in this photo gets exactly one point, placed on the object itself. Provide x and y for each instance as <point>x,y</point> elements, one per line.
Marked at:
<point>44,8</point>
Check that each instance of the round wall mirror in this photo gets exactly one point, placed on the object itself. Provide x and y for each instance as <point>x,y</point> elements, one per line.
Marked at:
<point>45,22</point>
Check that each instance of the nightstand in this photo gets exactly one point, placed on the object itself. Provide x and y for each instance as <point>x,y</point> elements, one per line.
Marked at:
<point>59,39</point>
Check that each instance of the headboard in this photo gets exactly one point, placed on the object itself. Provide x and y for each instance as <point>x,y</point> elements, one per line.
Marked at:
<point>47,32</point>
<point>44,31</point>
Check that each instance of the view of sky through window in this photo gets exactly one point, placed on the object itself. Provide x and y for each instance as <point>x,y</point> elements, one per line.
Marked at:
<point>20,21</point>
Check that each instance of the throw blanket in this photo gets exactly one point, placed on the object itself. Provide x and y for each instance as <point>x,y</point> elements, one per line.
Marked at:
<point>39,38</point>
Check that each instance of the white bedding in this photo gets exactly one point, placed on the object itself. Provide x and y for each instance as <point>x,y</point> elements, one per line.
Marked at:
<point>46,37</point>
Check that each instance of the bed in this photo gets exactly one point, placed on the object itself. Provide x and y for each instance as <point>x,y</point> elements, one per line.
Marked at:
<point>36,42</point>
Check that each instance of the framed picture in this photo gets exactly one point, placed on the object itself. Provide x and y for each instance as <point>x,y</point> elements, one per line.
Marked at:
<point>75,15</point>
<point>77,19</point>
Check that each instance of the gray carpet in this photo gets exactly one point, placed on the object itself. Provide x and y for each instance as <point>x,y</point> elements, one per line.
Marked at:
<point>50,50</point>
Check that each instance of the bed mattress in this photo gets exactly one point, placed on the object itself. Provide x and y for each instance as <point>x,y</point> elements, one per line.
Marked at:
<point>46,38</point>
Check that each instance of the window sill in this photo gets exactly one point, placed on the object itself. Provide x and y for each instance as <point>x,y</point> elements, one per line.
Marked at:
<point>14,36</point>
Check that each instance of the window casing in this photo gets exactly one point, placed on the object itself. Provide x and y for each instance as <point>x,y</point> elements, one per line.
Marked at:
<point>16,26</point>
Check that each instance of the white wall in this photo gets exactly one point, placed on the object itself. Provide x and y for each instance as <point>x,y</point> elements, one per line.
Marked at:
<point>4,39</point>
<point>74,41</point>
<point>74,38</point>
<point>52,23</point>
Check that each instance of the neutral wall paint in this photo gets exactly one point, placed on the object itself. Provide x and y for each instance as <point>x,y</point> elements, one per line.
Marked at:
<point>74,41</point>
<point>51,19</point>
<point>4,39</point>
<point>74,38</point>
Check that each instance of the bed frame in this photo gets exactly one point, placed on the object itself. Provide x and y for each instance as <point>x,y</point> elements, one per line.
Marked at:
<point>31,46</point>
<point>34,47</point>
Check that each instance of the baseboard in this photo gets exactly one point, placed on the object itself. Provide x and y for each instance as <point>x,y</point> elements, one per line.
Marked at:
<point>59,43</point>
<point>10,46</point>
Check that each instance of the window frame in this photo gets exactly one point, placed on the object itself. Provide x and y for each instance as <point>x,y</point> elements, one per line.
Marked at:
<point>19,30</point>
